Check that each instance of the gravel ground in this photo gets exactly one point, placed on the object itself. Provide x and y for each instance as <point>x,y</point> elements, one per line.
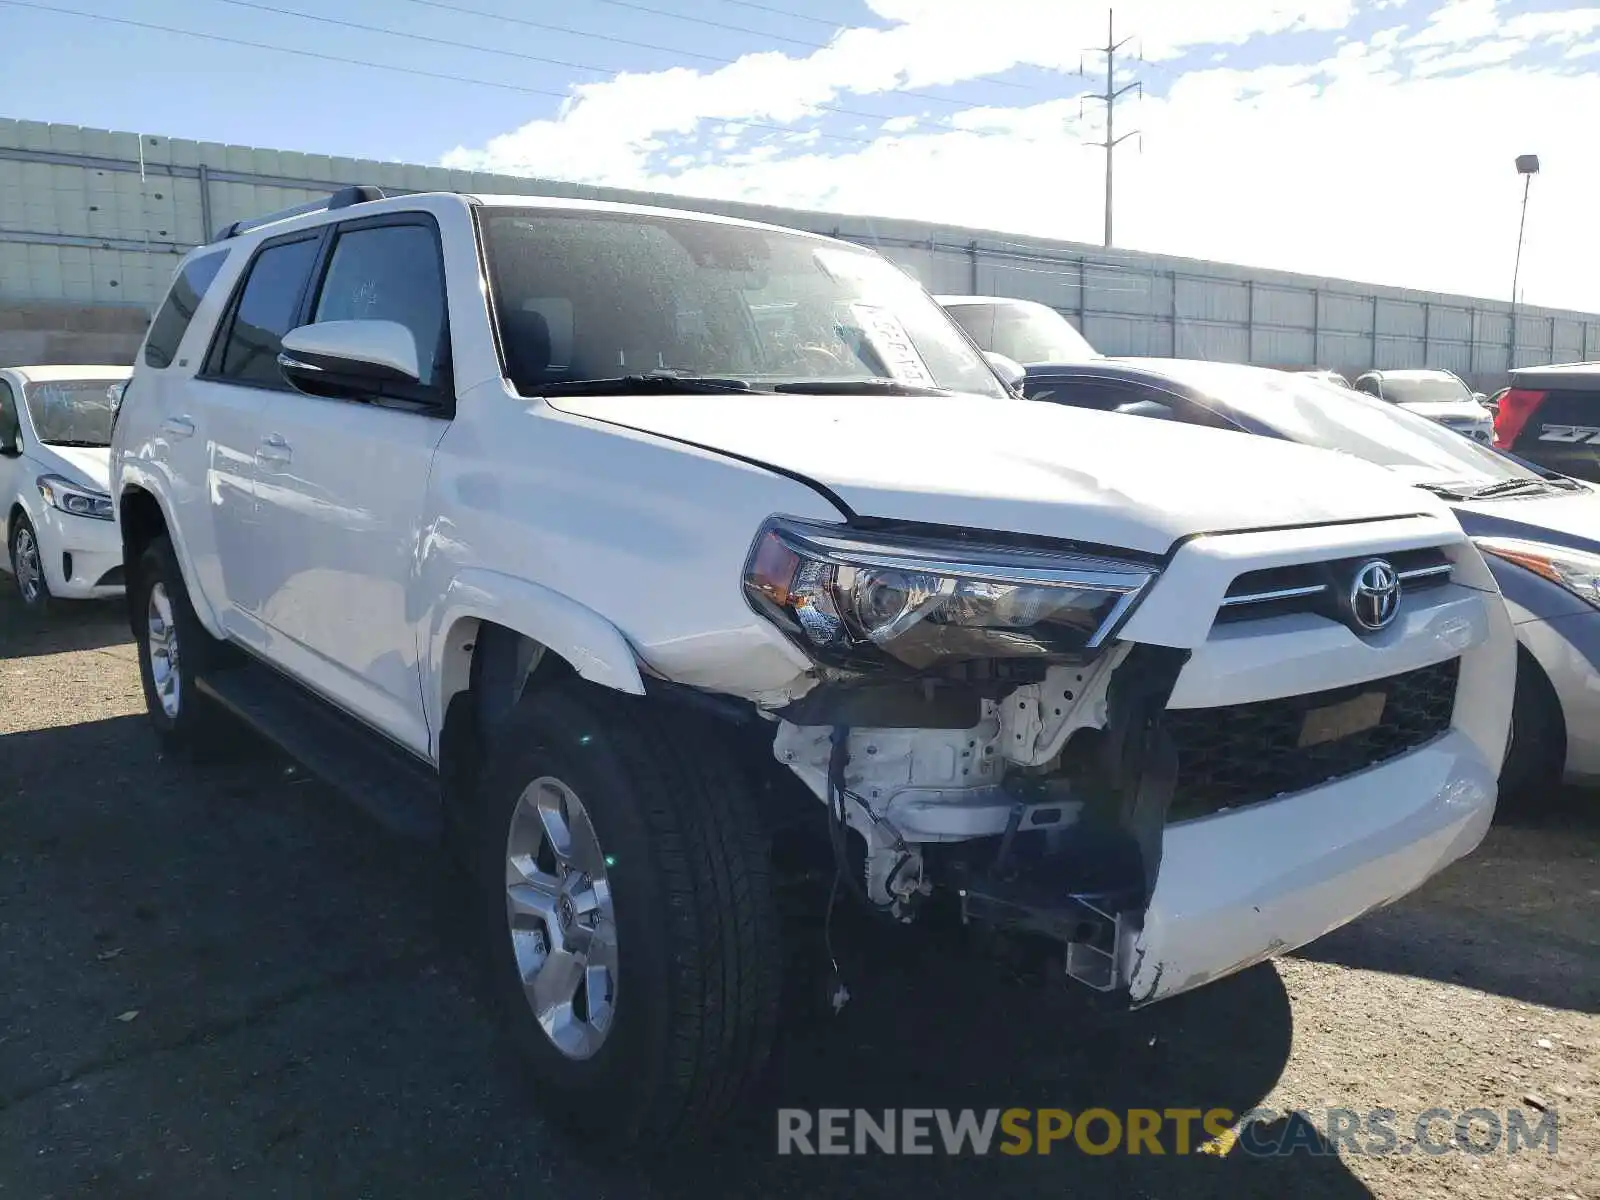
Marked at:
<point>223,982</point>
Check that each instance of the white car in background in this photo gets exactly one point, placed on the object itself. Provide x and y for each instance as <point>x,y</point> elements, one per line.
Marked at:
<point>1024,331</point>
<point>1438,395</point>
<point>55,437</point>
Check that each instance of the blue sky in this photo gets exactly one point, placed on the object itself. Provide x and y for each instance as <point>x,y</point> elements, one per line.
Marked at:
<point>1348,137</point>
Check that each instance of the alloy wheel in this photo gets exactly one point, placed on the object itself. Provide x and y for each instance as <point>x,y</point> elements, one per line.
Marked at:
<point>559,913</point>
<point>161,638</point>
<point>29,566</point>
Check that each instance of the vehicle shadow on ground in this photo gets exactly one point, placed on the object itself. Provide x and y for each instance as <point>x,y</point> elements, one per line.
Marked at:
<point>76,625</point>
<point>307,1018</point>
<point>1520,920</point>
<point>929,1027</point>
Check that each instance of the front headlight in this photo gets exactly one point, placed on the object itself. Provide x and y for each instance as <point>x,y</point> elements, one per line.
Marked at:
<point>858,600</point>
<point>1574,570</point>
<point>70,498</point>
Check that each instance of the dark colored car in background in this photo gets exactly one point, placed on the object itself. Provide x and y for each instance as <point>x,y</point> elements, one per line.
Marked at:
<point>1539,531</point>
<point>1551,416</point>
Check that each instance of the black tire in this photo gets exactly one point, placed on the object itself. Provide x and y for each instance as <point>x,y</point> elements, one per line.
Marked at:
<point>198,726</point>
<point>1531,775</point>
<point>35,598</point>
<point>698,954</point>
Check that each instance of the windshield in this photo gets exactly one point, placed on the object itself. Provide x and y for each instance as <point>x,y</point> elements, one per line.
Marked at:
<point>1409,390</point>
<point>1023,331</point>
<point>601,295</point>
<point>73,412</point>
<point>1307,410</point>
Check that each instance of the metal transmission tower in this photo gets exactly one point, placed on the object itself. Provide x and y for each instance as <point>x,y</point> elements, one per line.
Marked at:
<point>1110,96</point>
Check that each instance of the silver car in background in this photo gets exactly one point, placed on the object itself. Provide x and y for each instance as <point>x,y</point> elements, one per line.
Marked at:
<point>1438,395</point>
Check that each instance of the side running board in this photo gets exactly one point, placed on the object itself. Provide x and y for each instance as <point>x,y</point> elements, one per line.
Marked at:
<point>394,787</point>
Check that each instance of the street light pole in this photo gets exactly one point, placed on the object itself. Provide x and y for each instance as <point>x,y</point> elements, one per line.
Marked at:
<point>1527,167</point>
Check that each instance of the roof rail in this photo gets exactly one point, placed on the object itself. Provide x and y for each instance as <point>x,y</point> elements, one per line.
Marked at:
<point>343,198</point>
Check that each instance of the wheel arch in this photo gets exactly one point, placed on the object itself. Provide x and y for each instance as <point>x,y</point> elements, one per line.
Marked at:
<point>10,513</point>
<point>491,633</point>
<point>143,516</point>
<point>1536,694</point>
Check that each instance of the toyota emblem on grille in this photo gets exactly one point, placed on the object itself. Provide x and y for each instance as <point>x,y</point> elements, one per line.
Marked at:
<point>1375,595</point>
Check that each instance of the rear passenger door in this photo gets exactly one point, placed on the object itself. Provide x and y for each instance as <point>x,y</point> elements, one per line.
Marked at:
<point>217,421</point>
<point>341,486</point>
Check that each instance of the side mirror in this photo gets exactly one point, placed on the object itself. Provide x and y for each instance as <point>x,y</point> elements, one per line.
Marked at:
<point>1009,369</point>
<point>349,359</point>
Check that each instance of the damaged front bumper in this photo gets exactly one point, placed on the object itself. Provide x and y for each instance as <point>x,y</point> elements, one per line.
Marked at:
<point>1240,887</point>
<point>1201,799</point>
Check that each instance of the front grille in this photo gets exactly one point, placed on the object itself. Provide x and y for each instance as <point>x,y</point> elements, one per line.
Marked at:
<point>112,578</point>
<point>1246,753</point>
<point>1314,587</point>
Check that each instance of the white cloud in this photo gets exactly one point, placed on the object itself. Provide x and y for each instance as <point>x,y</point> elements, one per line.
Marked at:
<point>1388,161</point>
<point>1459,21</point>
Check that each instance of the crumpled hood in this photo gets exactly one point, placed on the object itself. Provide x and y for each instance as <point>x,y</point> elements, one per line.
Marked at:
<point>83,465</point>
<point>1024,467</point>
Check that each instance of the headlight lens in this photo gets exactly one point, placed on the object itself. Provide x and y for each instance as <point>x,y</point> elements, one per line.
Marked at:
<point>70,498</point>
<point>1574,570</point>
<point>856,600</point>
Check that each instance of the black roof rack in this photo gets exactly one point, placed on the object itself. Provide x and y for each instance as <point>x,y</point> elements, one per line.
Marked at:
<point>343,198</point>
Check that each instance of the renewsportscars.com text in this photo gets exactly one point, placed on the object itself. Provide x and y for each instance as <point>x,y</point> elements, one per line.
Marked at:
<point>1099,1131</point>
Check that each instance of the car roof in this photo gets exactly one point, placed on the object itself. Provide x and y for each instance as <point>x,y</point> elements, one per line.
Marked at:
<point>571,204</point>
<point>985,300</point>
<point>271,224</point>
<point>1194,373</point>
<point>1412,373</point>
<point>1584,373</point>
<point>63,374</point>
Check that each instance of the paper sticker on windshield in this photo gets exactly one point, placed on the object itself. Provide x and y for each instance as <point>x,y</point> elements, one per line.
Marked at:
<point>893,346</point>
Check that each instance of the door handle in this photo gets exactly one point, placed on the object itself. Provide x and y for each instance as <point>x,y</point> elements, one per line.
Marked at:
<point>274,451</point>
<point>178,427</point>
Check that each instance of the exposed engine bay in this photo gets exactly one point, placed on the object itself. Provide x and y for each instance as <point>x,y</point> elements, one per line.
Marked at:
<point>1045,814</point>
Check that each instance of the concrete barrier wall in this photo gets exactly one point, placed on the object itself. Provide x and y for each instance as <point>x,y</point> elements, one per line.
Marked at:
<point>70,334</point>
<point>92,217</point>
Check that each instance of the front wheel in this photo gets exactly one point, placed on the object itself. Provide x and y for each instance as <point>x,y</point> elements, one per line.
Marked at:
<point>27,566</point>
<point>632,936</point>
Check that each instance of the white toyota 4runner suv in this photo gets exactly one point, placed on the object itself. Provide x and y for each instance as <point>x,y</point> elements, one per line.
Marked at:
<point>618,546</point>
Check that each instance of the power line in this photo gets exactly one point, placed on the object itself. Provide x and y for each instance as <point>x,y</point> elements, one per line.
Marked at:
<point>438,41</point>
<point>360,62</point>
<point>253,45</point>
<point>1110,97</point>
<point>784,12</point>
<point>529,23</point>
<point>419,37</point>
<point>706,21</point>
<point>465,10</point>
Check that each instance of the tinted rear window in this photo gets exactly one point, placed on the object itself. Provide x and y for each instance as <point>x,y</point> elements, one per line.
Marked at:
<point>188,289</point>
<point>267,310</point>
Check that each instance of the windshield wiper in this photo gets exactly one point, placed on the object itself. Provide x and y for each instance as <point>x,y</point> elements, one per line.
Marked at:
<point>1505,488</point>
<point>859,387</point>
<point>73,444</point>
<point>658,383</point>
<point>1443,491</point>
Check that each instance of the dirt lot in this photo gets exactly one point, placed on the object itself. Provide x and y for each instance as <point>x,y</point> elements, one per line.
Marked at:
<point>223,982</point>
